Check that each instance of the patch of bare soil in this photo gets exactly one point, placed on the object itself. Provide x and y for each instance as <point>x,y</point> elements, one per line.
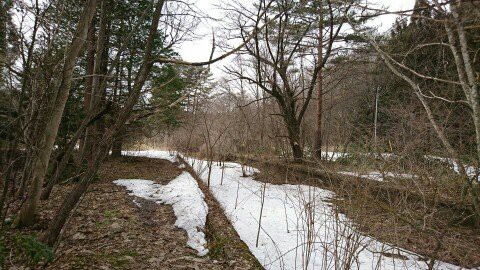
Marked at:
<point>111,231</point>
<point>424,225</point>
<point>224,242</point>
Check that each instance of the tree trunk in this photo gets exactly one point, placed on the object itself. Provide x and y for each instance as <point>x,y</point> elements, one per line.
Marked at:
<point>61,217</point>
<point>293,129</point>
<point>3,38</point>
<point>7,178</point>
<point>55,227</point>
<point>92,132</point>
<point>26,173</point>
<point>438,130</point>
<point>468,66</point>
<point>47,139</point>
<point>117,146</point>
<point>12,147</point>
<point>297,151</point>
<point>89,79</point>
<point>59,170</point>
<point>317,147</point>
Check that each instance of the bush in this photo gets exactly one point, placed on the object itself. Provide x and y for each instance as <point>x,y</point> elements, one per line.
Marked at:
<point>349,159</point>
<point>35,250</point>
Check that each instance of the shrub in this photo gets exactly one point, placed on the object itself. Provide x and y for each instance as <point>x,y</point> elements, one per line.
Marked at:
<point>35,250</point>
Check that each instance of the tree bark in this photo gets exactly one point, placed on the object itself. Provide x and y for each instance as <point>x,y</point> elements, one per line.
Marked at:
<point>88,80</point>
<point>317,148</point>
<point>293,129</point>
<point>6,178</point>
<point>117,146</point>
<point>12,147</point>
<point>462,70</point>
<point>95,97</point>
<point>3,38</point>
<point>473,97</point>
<point>55,227</point>
<point>47,139</point>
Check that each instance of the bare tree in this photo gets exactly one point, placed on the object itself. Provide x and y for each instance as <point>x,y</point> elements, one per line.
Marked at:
<point>277,51</point>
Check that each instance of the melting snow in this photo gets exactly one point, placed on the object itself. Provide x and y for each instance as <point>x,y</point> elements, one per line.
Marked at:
<point>186,199</point>
<point>471,171</point>
<point>170,156</point>
<point>299,227</point>
<point>379,176</point>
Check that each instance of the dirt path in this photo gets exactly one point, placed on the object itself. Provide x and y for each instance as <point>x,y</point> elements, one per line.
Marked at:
<point>110,231</point>
<point>224,241</point>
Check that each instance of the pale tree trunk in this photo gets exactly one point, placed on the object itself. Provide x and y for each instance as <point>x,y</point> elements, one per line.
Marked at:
<point>61,217</point>
<point>431,118</point>
<point>469,87</point>
<point>464,68</point>
<point>439,132</point>
<point>317,147</point>
<point>466,74</point>
<point>47,137</point>
<point>469,71</point>
<point>472,95</point>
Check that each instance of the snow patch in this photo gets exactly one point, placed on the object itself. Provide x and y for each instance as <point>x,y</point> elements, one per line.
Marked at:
<point>379,176</point>
<point>472,171</point>
<point>170,156</point>
<point>186,199</point>
<point>333,156</point>
<point>299,229</point>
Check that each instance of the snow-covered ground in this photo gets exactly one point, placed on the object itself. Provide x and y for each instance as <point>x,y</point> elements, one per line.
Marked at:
<point>333,155</point>
<point>471,171</point>
<point>378,176</point>
<point>298,227</point>
<point>170,156</point>
<point>372,175</point>
<point>186,199</point>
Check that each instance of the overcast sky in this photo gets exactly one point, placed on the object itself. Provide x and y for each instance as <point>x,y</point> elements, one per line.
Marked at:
<point>199,50</point>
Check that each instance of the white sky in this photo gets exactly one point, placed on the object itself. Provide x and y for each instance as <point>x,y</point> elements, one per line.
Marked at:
<point>199,50</point>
